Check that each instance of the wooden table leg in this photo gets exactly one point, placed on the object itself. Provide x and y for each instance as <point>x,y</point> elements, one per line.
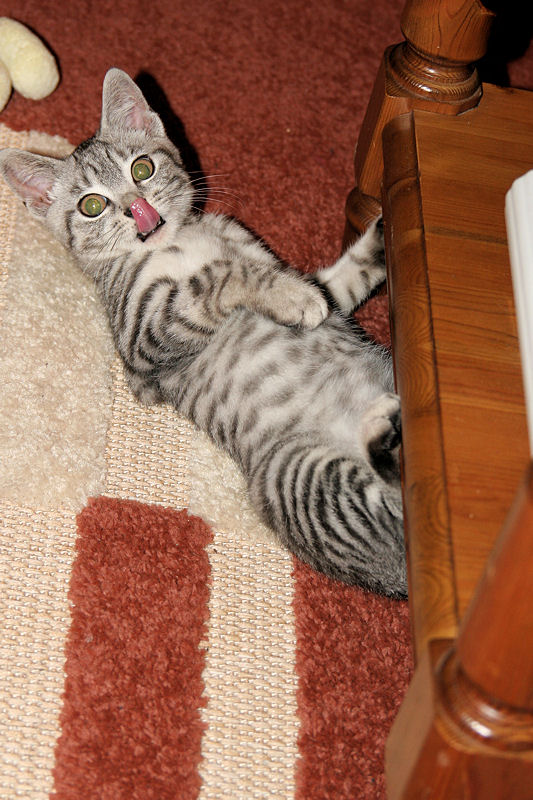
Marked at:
<point>432,69</point>
<point>474,738</point>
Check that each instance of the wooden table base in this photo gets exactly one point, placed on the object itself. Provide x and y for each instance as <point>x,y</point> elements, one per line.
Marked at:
<point>466,728</point>
<point>438,152</point>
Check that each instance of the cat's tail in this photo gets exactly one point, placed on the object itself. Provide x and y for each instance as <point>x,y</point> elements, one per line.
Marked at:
<point>335,513</point>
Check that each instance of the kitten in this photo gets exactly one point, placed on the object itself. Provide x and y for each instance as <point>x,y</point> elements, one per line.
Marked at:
<point>206,318</point>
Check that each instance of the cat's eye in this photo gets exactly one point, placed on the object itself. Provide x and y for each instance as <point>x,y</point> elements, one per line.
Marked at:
<point>142,168</point>
<point>92,205</point>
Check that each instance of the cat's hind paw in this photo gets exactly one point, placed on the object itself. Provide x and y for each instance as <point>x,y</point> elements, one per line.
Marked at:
<point>381,434</point>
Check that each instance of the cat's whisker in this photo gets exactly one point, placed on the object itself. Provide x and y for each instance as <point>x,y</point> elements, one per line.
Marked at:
<point>201,186</point>
<point>219,201</point>
<point>203,177</point>
<point>219,196</point>
<point>212,188</point>
<point>224,193</point>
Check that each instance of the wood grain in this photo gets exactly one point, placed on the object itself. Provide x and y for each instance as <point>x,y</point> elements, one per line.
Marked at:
<point>455,30</point>
<point>494,647</point>
<point>432,583</point>
<point>476,347</point>
<point>465,729</point>
<point>442,179</point>
<point>432,69</point>
<point>459,373</point>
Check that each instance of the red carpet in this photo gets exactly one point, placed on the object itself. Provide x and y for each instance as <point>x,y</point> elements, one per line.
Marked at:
<point>270,96</point>
<point>139,591</point>
<point>353,667</point>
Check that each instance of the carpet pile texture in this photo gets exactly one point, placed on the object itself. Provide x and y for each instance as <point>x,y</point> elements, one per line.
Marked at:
<point>155,640</point>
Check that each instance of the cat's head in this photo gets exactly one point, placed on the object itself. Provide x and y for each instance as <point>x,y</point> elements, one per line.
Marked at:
<point>124,189</point>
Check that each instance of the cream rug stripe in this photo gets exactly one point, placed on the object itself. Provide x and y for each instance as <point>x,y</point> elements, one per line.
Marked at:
<point>56,402</point>
<point>218,492</point>
<point>55,352</point>
<point>147,453</point>
<point>249,747</point>
<point>36,553</point>
<point>8,209</point>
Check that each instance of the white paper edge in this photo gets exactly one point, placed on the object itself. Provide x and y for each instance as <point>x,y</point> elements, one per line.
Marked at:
<point>519,220</point>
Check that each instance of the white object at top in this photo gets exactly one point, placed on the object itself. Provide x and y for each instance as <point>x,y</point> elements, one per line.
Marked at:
<point>519,219</point>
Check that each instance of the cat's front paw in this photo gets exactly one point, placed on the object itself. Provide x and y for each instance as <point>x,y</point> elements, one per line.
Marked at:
<point>298,304</point>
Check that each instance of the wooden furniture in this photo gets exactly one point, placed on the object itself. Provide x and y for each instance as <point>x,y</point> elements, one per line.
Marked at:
<point>432,69</point>
<point>465,730</point>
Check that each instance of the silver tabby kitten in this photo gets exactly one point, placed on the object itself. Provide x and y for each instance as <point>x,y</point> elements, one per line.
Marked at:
<point>207,319</point>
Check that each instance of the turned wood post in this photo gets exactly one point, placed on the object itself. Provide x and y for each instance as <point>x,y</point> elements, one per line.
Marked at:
<point>487,680</point>
<point>432,69</point>
<point>475,737</point>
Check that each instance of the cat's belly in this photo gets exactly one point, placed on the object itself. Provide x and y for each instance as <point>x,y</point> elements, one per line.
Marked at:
<point>257,378</point>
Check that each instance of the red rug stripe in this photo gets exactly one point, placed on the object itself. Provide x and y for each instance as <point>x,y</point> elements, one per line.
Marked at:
<point>353,661</point>
<point>131,726</point>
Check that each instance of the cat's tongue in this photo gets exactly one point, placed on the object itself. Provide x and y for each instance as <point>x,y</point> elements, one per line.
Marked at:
<point>145,216</point>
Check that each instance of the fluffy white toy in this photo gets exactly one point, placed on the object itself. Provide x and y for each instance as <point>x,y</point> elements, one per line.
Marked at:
<point>25,63</point>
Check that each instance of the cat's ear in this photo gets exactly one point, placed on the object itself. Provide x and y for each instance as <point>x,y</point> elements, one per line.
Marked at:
<point>124,107</point>
<point>31,177</point>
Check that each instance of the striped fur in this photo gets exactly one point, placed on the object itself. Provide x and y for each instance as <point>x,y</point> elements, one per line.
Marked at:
<point>205,317</point>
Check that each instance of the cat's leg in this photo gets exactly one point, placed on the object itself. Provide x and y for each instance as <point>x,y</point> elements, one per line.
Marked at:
<point>380,434</point>
<point>291,300</point>
<point>260,282</point>
<point>357,272</point>
<point>329,510</point>
<point>285,296</point>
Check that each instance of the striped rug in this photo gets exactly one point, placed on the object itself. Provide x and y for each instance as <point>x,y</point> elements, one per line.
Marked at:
<point>156,642</point>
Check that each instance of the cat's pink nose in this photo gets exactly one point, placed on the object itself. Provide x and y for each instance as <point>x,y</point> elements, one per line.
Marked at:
<point>145,216</point>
